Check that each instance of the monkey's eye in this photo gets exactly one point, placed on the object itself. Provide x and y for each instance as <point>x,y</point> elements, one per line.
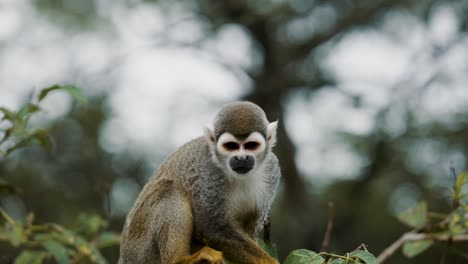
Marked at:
<point>231,145</point>
<point>251,145</point>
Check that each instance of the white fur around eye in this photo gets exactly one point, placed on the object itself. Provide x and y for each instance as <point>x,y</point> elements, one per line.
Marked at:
<point>227,137</point>
<point>223,139</point>
<point>256,137</point>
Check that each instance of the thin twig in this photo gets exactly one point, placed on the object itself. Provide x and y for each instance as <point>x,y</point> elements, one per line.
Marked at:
<point>444,254</point>
<point>452,172</point>
<point>407,237</point>
<point>390,250</point>
<point>7,217</point>
<point>456,200</point>
<point>362,247</point>
<point>455,203</point>
<point>331,255</point>
<point>326,237</point>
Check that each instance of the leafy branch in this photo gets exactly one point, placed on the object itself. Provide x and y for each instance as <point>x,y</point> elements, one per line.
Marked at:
<point>17,134</point>
<point>46,241</point>
<point>359,256</point>
<point>430,227</point>
<point>306,256</point>
<point>55,241</point>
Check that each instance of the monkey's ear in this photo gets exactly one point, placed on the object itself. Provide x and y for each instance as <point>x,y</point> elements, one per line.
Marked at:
<point>271,133</point>
<point>210,136</point>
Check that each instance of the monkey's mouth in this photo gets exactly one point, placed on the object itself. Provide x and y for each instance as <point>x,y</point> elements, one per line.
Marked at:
<point>242,169</point>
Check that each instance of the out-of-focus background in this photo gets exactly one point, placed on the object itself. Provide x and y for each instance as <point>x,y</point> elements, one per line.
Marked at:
<point>372,99</point>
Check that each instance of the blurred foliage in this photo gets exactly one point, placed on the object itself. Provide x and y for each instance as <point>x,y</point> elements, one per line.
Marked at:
<point>428,228</point>
<point>16,133</point>
<point>40,242</point>
<point>45,241</point>
<point>432,226</point>
<point>289,50</point>
<point>304,256</point>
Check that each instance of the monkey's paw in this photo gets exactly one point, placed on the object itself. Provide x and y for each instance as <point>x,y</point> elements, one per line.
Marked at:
<point>207,255</point>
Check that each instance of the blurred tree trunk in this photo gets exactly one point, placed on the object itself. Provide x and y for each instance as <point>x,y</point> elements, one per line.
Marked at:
<point>288,67</point>
<point>285,149</point>
<point>276,79</point>
<point>269,94</point>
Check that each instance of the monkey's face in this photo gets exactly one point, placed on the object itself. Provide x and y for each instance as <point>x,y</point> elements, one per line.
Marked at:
<point>240,156</point>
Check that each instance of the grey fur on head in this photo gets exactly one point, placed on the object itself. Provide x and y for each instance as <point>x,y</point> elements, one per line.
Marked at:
<point>240,119</point>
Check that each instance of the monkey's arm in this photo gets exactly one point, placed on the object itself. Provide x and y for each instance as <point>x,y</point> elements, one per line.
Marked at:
<point>222,233</point>
<point>273,178</point>
<point>237,246</point>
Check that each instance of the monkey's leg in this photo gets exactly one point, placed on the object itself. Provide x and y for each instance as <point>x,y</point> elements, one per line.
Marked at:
<point>174,233</point>
<point>173,225</point>
<point>159,229</point>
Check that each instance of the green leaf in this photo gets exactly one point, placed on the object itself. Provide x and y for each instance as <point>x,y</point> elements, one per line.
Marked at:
<point>15,234</point>
<point>90,251</point>
<point>414,248</point>
<point>57,250</point>
<point>72,90</point>
<point>20,144</point>
<point>107,239</point>
<point>43,138</point>
<point>416,216</point>
<point>81,245</point>
<point>365,256</point>
<point>37,137</point>
<point>18,128</point>
<point>7,134</point>
<point>89,224</point>
<point>27,110</point>
<point>458,223</point>
<point>304,256</point>
<point>30,257</point>
<point>7,114</point>
<point>339,261</point>
<point>269,248</point>
<point>459,182</point>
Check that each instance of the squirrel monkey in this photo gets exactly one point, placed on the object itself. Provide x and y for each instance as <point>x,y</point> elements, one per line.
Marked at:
<point>207,201</point>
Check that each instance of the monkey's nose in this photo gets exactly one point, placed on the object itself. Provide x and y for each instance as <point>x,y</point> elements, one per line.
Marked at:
<point>242,164</point>
<point>243,158</point>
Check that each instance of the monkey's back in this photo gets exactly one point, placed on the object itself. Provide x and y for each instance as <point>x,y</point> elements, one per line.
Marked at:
<point>177,174</point>
<point>184,165</point>
<point>179,169</point>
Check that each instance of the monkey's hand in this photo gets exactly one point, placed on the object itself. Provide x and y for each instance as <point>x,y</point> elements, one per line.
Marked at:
<point>238,247</point>
<point>206,255</point>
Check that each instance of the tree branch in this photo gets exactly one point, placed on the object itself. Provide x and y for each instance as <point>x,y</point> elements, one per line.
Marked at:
<point>326,237</point>
<point>358,16</point>
<point>407,237</point>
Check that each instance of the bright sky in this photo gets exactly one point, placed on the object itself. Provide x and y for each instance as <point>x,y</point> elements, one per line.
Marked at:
<point>162,95</point>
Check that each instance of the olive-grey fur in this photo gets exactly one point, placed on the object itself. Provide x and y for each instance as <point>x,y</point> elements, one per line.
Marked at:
<point>183,205</point>
<point>248,118</point>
